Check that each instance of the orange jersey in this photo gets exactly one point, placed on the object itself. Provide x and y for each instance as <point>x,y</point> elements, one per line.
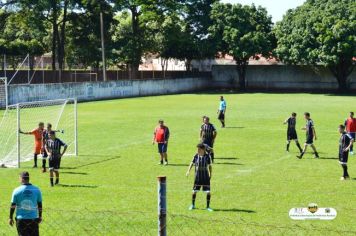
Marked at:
<point>38,140</point>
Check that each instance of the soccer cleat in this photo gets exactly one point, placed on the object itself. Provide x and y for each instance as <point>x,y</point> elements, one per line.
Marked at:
<point>209,209</point>
<point>345,178</point>
<point>316,155</point>
<point>300,156</point>
<point>160,163</point>
<point>351,152</point>
<point>192,207</point>
<point>166,163</point>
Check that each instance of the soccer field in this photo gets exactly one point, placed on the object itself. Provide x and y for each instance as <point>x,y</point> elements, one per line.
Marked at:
<point>111,188</point>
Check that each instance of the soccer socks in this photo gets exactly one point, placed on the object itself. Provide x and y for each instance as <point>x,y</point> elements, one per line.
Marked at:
<point>344,167</point>
<point>287,149</point>
<point>194,195</point>
<point>300,148</point>
<point>35,160</point>
<point>57,180</point>
<point>51,179</point>
<point>223,123</point>
<point>208,196</point>
<point>316,154</point>
<point>43,163</point>
<point>212,157</point>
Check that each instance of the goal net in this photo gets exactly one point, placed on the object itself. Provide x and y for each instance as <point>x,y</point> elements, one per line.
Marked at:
<point>3,92</point>
<point>16,147</point>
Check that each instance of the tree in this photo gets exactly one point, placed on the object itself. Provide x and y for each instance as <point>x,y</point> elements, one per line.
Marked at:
<point>320,32</point>
<point>242,32</point>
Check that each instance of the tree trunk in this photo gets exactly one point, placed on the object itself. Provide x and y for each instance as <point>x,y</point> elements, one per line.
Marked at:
<point>62,38</point>
<point>134,71</point>
<point>341,72</point>
<point>188,63</point>
<point>241,66</point>
<point>135,62</point>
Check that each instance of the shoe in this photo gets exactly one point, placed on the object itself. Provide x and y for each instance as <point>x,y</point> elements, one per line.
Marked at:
<point>345,178</point>
<point>160,163</point>
<point>43,170</point>
<point>351,152</point>
<point>35,166</point>
<point>300,156</point>
<point>166,163</point>
<point>316,155</point>
<point>209,209</point>
<point>52,185</point>
<point>192,207</point>
<point>57,182</point>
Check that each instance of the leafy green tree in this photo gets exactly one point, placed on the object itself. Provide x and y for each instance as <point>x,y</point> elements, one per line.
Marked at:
<point>320,32</point>
<point>242,32</point>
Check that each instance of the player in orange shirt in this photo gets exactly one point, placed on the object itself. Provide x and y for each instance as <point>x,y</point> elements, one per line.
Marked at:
<point>37,133</point>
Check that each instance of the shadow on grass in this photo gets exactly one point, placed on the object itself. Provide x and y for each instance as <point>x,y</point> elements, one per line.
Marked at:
<point>329,158</point>
<point>235,210</point>
<point>74,173</point>
<point>178,164</point>
<point>232,127</point>
<point>228,163</point>
<point>91,163</point>
<point>226,158</point>
<point>77,186</point>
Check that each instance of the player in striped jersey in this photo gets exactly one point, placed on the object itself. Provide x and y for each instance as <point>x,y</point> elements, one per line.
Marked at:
<point>203,171</point>
<point>53,148</point>
<point>208,134</point>
<point>291,131</point>
<point>345,143</point>
<point>311,135</point>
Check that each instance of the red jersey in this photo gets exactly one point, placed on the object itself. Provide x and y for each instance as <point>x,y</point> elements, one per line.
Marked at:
<point>161,134</point>
<point>350,124</point>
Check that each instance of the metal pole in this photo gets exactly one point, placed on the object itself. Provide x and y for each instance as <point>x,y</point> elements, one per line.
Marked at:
<point>162,205</point>
<point>43,73</point>
<point>102,45</point>
<point>76,127</point>
<point>18,136</point>
<point>6,94</point>
<point>28,68</point>
<point>4,65</point>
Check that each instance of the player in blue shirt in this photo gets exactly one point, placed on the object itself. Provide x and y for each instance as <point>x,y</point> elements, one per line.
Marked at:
<point>221,111</point>
<point>27,200</point>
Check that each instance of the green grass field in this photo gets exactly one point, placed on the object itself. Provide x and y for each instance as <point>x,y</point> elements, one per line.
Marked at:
<point>111,188</point>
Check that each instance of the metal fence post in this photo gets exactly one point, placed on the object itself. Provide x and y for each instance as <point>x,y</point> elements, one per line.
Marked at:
<point>162,205</point>
<point>18,136</point>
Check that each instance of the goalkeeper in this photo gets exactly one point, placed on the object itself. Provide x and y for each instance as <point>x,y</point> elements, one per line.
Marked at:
<point>37,133</point>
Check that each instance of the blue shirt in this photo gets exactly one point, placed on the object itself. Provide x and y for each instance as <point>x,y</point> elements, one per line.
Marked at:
<point>26,197</point>
<point>222,106</point>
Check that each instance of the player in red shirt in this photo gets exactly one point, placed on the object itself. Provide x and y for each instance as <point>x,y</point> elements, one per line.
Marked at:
<point>161,136</point>
<point>37,133</point>
<point>350,124</point>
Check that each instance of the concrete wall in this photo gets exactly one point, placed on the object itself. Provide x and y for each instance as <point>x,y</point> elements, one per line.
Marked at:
<point>279,77</point>
<point>104,90</point>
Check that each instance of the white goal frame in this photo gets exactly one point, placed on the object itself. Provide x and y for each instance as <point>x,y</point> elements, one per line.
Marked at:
<point>58,102</point>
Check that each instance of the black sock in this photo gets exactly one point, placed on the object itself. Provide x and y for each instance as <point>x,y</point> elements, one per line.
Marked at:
<point>288,146</point>
<point>35,159</point>
<point>57,180</point>
<point>223,123</point>
<point>43,163</point>
<point>212,157</point>
<point>300,148</point>
<point>193,199</point>
<point>301,154</point>
<point>316,154</point>
<point>344,167</point>
<point>51,178</point>
<point>161,161</point>
<point>208,200</point>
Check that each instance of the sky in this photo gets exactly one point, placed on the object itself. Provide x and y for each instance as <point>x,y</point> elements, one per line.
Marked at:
<point>276,8</point>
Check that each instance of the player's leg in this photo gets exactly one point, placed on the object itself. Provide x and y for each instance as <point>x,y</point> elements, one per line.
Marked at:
<point>303,151</point>
<point>194,196</point>
<point>343,158</point>
<point>288,143</point>
<point>51,169</point>
<point>298,145</point>
<point>57,176</point>
<point>165,156</point>
<point>315,151</point>
<point>35,160</point>
<point>44,160</point>
<point>160,151</point>
<point>208,197</point>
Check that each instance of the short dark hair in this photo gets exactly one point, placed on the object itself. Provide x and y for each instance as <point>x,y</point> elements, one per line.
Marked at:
<point>201,146</point>
<point>49,125</point>
<point>307,114</point>
<point>40,123</point>
<point>206,117</point>
<point>294,114</point>
<point>351,113</point>
<point>25,175</point>
<point>160,121</point>
<point>342,126</point>
<point>52,132</point>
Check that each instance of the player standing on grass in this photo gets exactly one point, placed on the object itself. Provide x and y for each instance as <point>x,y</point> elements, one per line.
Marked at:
<point>350,124</point>
<point>311,135</point>
<point>53,148</point>
<point>291,131</point>
<point>27,201</point>
<point>222,111</point>
<point>203,171</point>
<point>345,144</point>
<point>161,136</point>
<point>208,134</point>
<point>37,133</point>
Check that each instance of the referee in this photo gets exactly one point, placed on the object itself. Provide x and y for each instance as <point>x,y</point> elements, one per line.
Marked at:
<point>208,134</point>
<point>27,200</point>
<point>53,148</point>
<point>222,111</point>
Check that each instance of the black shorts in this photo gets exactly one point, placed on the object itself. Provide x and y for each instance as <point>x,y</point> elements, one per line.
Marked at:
<point>208,142</point>
<point>27,227</point>
<point>202,184</point>
<point>309,140</point>
<point>292,135</point>
<point>44,154</point>
<point>343,157</point>
<point>221,115</point>
<point>162,147</point>
<point>54,163</point>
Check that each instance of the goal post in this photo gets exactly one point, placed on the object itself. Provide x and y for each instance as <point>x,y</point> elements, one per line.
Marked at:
<point>3,93</point>
<point>17,148</point>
